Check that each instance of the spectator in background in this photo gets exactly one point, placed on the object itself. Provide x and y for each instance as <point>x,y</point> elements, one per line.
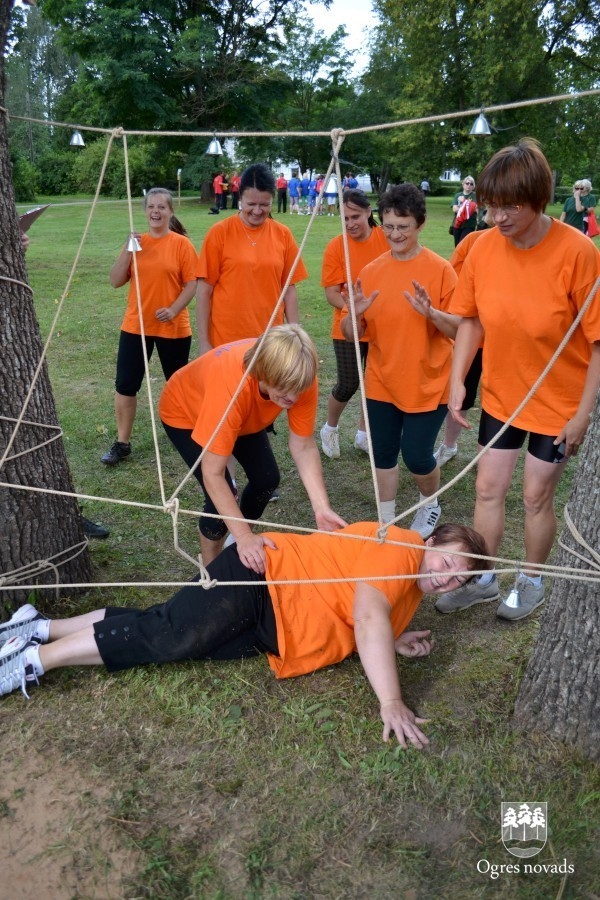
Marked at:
<point>576,208</point>
<point>464,207</point>
<point>304,189</point>
<point>294,192</point>
<point>425,186</point>
<point>234,187</point>
<point>281,185</point>
<point>218,182</point>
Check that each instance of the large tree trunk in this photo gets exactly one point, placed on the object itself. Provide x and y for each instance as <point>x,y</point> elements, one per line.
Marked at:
<point>560,692</point>
<point>33,526</point>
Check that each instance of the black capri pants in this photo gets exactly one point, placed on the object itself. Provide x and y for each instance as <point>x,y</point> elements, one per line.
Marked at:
<point>196,623</point>
<point>174,353</point>
<point>347,369</point>
<point>254,454</point>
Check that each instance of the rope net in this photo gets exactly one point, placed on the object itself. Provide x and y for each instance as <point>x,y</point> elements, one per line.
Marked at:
<point>170,504</point>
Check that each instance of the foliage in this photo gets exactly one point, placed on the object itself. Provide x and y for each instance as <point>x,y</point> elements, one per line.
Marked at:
<point>24,178</point>
<point>149,165</point>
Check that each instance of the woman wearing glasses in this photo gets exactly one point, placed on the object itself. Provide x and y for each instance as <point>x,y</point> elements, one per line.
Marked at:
<point>576,208</point>
<point>464,208</point>
<point>522,285</point>
<point>401,302</point>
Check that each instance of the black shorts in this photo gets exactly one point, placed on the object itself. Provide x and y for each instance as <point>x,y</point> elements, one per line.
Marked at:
<point>541,446</point>
<point>174,353</point>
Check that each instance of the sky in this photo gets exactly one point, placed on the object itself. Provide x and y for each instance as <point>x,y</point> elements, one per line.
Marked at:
<point>357,18</point>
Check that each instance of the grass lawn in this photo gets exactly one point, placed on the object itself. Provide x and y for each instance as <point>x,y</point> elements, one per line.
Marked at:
<point>219,781</point>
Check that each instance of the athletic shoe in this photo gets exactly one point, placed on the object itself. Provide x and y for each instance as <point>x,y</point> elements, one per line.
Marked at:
<point>444,454</point>
<point>15,672</point>
<point>527,595</point>
<point>118,452</point>
<point>22,623</point>
<point>361,443</point>
<point>93,530</point>
<point>330,442</point>
<point>469,595</point>
<point>275,495</point>
<point>425,520</point>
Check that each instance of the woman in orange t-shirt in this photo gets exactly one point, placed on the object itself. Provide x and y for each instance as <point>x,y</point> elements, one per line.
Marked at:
<point>366,241</point>
<point>243,265</point>
<point>410,352</point>
<point>192,404</point>
<point>166,266</point>
<point>302,627</point>
<point>522,285</point>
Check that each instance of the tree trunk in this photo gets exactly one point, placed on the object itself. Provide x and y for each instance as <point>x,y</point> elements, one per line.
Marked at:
<point>560,691</point>
<point>33,526</point>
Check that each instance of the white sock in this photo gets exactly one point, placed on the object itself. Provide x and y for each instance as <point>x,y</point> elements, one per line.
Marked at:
<point>32,658</point>
<point>388,510</point>
<point>329,427</point>
<point>485,579</point>
<point>534,579</point>
<point>42,631</point>
<point>430,502</point>
<point>361,435</point>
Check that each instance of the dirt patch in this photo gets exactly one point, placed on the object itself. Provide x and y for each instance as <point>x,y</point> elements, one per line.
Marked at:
<point>56,838</point>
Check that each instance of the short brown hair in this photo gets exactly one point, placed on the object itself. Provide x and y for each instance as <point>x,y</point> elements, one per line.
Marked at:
<point>286,360</point>
<point>469,540</point>
<point>516,175</point>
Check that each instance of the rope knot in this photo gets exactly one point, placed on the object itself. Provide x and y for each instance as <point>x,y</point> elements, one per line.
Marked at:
<point>382,532</point>
<point>117,132</point>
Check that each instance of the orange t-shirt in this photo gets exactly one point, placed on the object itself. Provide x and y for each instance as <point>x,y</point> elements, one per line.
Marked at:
<point>526,301</point>
<point>461,251</point>
<point>315,624</point>
<point>165,265</point>
<point>196,396</point>
<point>333,270</point>
<point>409,359</point>
<point>247,268</point>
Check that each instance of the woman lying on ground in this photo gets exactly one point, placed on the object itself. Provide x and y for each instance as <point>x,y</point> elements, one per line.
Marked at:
<point>302,627</point>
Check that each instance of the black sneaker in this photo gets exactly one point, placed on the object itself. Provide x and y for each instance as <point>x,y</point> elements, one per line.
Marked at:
<point>93,530</point>
<point>117,453</point>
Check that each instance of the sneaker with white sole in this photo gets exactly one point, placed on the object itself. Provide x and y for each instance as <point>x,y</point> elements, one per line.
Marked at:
<point>425,520</point>
<point>15,671</point>
<point>522,600</point>
<point>361,443</point>
<point>330,442</point>
<point>444,454</point>
<point>468,595</point>
<point>22,623</point>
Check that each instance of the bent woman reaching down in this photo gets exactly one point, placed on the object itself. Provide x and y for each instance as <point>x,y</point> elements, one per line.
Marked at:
<point>302,627</point>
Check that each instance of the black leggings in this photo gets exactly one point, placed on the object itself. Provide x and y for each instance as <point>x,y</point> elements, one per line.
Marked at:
<point>173,353</point>
<point>347,368</point>
<point>217,623</point>
<point>254,454</point>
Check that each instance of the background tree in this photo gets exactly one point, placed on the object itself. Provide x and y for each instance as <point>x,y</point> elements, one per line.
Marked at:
<point>33,526</point>
<point>559,691</point>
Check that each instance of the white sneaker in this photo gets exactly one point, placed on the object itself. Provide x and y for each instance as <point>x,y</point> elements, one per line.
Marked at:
<point>444,454</point>
<point>425,520</point>
<point>22,623</point>
<point>361,443</point>
<point>330,442</point>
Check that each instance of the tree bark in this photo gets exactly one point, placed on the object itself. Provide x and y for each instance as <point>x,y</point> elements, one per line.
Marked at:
<point>560,691</point>
<point>33,526</point>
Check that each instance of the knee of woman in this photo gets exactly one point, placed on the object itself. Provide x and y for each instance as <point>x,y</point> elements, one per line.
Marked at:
<point>212,529</point>
<point>417,464</point>
<point>487,490</point>
<point>345,393</point>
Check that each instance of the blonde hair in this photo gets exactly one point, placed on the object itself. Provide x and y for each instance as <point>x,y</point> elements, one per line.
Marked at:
<point>286,360</point>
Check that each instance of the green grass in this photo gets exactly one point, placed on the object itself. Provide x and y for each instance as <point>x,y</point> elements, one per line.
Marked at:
<point>229,783</point>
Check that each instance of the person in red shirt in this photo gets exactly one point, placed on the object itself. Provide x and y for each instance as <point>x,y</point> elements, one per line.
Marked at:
<point>218,183</point>
<point>301,626</point>
<point>281,185</point>
<point>250,392</point>
<point>234,187</point>
<point>522,285</point>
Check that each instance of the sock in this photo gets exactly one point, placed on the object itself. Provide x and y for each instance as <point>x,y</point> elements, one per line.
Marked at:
<point>42,631</point>
<point>32,658</point>
<point>430,502</point>
<point>329,427</point>
<point>388,510</point>
<point>534,579</point>
<point>361,435</point>
<point>485,579</point>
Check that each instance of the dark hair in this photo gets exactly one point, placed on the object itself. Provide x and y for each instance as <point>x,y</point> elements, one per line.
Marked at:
<point>515,175</point>
<point>405,200</point>
<point>469,540</point>
<point>358,198</point>
<point>174,223</point>
<point>258,176</point>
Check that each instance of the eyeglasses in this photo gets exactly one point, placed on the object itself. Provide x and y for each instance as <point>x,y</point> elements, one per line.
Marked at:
<point>401,229</point>
<point>472,183</point>
<point>510,210</point>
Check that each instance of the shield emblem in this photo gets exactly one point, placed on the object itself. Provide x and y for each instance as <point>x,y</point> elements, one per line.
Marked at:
<point>524,827</point>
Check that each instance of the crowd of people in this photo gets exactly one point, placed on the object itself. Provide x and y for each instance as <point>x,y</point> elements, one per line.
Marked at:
<point>424,330</point>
